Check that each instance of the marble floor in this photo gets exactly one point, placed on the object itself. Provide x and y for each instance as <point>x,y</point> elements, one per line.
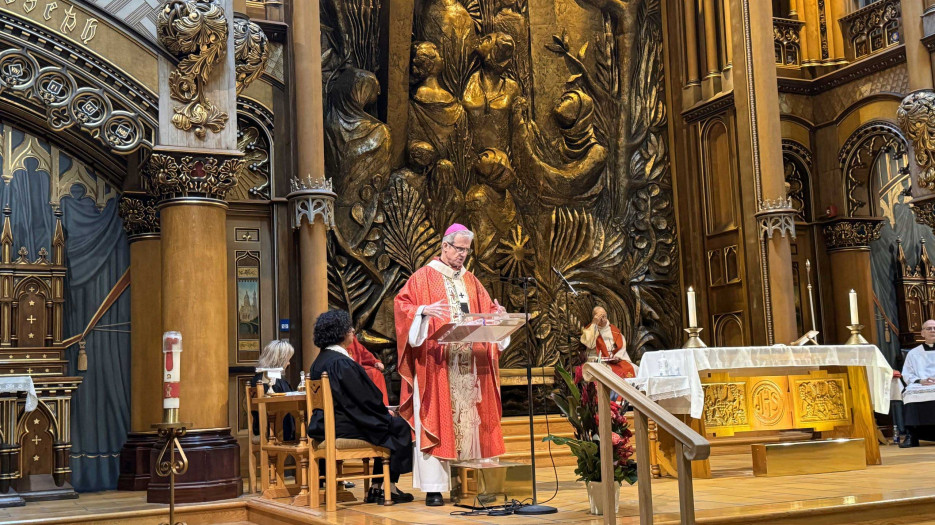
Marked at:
<point>906,475</point>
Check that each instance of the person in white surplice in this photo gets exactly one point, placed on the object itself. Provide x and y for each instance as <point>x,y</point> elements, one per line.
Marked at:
<point>919,375</point>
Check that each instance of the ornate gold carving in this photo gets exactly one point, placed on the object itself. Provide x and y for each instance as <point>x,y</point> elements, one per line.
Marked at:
<point>253,180</point>
<point>66,104</point>
<point>786,41</point>
<point>916,117</point>
<point>852,233</point>
<point>140,216</point>
<point>766,400</point>
<point>821,400</point>
<point>924,211</point>
<point>797,165</point>
<point>251,51</point>
<point>858,156</point>
<point>196,32</point>
<point>190,175</point>
<point>725,405</point>
<point>874,27</point>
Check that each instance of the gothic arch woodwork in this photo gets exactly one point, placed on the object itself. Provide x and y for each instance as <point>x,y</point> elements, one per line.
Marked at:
<point>857,158</point>
<point>797,165</point>
<point>719,174</point>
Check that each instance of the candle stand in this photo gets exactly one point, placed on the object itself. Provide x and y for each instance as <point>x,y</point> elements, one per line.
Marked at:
<point>856,338</point>
<point>167,464</point>
<point>694,341</point>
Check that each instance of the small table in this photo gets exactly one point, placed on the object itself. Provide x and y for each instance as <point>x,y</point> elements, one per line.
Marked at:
<point>276,406</point>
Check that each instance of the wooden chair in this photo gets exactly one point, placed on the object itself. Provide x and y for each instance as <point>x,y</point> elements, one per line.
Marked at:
<point>253,441</point>
<point>334,450</point>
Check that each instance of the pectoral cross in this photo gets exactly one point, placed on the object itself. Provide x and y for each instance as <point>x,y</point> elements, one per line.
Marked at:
<point>36,440</point>
<point>31,319</point>
<point>462,296</point>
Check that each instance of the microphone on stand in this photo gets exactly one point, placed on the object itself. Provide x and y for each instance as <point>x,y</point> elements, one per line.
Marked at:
<point>568,284</point>
<point>521,279</point>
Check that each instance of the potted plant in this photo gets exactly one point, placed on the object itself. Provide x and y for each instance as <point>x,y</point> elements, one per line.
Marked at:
<point>579,405</point>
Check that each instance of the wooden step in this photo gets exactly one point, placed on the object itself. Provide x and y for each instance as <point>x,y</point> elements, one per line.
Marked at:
<point>723,446</point>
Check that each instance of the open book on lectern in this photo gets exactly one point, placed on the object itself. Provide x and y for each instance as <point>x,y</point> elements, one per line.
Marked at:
<point>479,328</point>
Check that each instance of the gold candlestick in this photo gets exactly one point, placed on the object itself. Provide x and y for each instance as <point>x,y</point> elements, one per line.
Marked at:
<point>856,338</point>
<point>693,340</point>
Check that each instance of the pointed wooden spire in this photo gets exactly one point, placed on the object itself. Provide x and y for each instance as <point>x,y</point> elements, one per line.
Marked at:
<point>58,241</point>
<point>6,239</point>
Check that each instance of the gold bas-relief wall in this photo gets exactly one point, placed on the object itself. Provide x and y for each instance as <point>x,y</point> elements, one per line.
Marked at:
<point>541,125</point>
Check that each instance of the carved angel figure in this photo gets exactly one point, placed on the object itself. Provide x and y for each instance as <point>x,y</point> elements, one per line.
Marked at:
<point>434,113</point>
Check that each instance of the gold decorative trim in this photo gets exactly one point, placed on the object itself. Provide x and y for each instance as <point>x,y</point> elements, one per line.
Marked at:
<point>852,233</point>
<point>140,216</point>
<point>191,175</point>
<point>916,117</point>
<point>196,32</point>
<point>924,211</point>
<point>251,51</point>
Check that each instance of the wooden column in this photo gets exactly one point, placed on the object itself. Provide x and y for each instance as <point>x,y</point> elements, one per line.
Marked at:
<point>689,8</point>
<point>712,79</point>
<point>190,173</point>
<point>141,222</point>
<point>918,58</point>
<point>770,228</point>
<point>848,243</point>
<point>313,197</point>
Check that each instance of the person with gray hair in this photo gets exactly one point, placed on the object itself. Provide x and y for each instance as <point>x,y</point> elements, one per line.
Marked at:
<point>276,354</point>
<point>450,394</point>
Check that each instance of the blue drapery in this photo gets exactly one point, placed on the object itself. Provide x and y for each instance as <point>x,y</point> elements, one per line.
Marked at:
<point>96,255</point>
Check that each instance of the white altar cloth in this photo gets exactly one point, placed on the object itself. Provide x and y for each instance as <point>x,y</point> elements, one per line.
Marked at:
<point>21,384</point>
<point>690,361</point>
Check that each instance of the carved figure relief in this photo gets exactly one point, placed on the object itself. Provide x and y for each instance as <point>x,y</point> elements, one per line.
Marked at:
<point>586,190</point>
<point>822,400</point>
<point>725,404</point>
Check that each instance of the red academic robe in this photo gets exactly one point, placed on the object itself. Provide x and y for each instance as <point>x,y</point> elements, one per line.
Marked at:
<point>429,363</point>
<point>623,369</point>
<point>368,361</point>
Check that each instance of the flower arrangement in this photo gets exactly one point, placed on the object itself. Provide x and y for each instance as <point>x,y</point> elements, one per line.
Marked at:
<point>579,405</point>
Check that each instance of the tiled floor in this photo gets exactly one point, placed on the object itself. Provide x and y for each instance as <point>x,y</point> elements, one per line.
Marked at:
<point>732,490</point>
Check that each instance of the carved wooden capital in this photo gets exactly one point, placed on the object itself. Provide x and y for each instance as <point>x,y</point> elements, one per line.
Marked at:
<point>852,233</point>
<point>172,175</point>
<point>310,199</point>
<point>916,117</point>
<point>140,214</point>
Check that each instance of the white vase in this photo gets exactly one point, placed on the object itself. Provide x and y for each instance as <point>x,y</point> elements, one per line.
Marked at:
<point>596,496</point>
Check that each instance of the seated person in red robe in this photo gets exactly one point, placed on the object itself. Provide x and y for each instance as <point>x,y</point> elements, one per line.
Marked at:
<point>275,355</point>
<point>372,365</point>
<point>604,340</point>
<point>359,412</point>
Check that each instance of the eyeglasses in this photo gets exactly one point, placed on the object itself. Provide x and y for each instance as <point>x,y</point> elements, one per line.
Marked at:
<point>463,251</point>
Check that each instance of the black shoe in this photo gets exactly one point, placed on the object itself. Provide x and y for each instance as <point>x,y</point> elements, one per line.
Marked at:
<point>434,499</point>
<point>399,496</point>
<point>375,495</point>
<point>909,441</point>
<point>348,484</point>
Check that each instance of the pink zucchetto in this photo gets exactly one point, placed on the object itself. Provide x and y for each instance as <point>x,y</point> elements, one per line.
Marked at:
<point>454,228</point>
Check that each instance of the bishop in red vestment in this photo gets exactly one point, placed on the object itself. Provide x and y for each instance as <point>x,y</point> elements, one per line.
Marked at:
<point>449,394</point>
<point>371,365</point>
<point>604,340</point>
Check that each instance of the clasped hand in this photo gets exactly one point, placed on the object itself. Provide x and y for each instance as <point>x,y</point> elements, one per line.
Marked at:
<point>439,310</point>
<point>928,382</point>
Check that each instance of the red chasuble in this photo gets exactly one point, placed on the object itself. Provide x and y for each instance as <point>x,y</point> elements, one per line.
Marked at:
<point>367,360</point>
<point>623,369</point>
<point>429,362</point>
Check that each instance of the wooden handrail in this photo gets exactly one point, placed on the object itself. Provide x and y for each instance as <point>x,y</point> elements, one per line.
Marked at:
<point>689,445</point>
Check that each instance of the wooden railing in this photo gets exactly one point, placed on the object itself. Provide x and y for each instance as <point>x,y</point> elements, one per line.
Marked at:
<point>872,28</point>
<point>787,42</point>
<point>689,445</point>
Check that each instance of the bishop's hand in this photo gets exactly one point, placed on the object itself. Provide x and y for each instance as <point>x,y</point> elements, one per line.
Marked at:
<point>438,310</point>
<point>498,308</point>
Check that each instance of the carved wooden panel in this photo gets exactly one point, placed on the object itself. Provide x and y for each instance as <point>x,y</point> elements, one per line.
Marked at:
<point>821,403</point>
<point>31,314</point>
<point>36,438</point>
<point>725,405</point>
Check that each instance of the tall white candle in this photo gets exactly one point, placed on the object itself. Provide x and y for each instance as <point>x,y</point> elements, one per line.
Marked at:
<point>853,301</point>
<point>692,315</point>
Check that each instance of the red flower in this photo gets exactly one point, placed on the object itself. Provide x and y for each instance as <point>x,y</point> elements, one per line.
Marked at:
<point>578,377</point>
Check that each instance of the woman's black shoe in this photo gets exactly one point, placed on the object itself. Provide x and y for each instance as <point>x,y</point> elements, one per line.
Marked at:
<point>399,496</point>
<point>375,495</point>
<point>434,499</point>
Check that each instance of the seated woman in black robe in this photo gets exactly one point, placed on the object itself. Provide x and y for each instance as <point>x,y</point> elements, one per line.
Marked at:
<point>275,355</point>
<point>359,412</point>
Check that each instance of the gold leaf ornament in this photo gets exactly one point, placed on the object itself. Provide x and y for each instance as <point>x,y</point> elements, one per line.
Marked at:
<point>196,32</point>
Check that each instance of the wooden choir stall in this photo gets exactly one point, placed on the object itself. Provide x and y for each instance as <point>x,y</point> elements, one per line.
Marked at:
<point>35,391</point>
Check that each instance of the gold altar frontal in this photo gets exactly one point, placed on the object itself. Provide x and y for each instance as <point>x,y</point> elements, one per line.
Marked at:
<point>832,400</point>
<point>808,457</point>
<point>482,483</point>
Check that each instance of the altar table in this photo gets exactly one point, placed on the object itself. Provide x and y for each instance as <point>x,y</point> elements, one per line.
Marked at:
<point>832,389</point>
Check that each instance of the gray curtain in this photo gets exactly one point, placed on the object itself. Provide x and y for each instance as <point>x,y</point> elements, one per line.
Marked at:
<point>96,255</point>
